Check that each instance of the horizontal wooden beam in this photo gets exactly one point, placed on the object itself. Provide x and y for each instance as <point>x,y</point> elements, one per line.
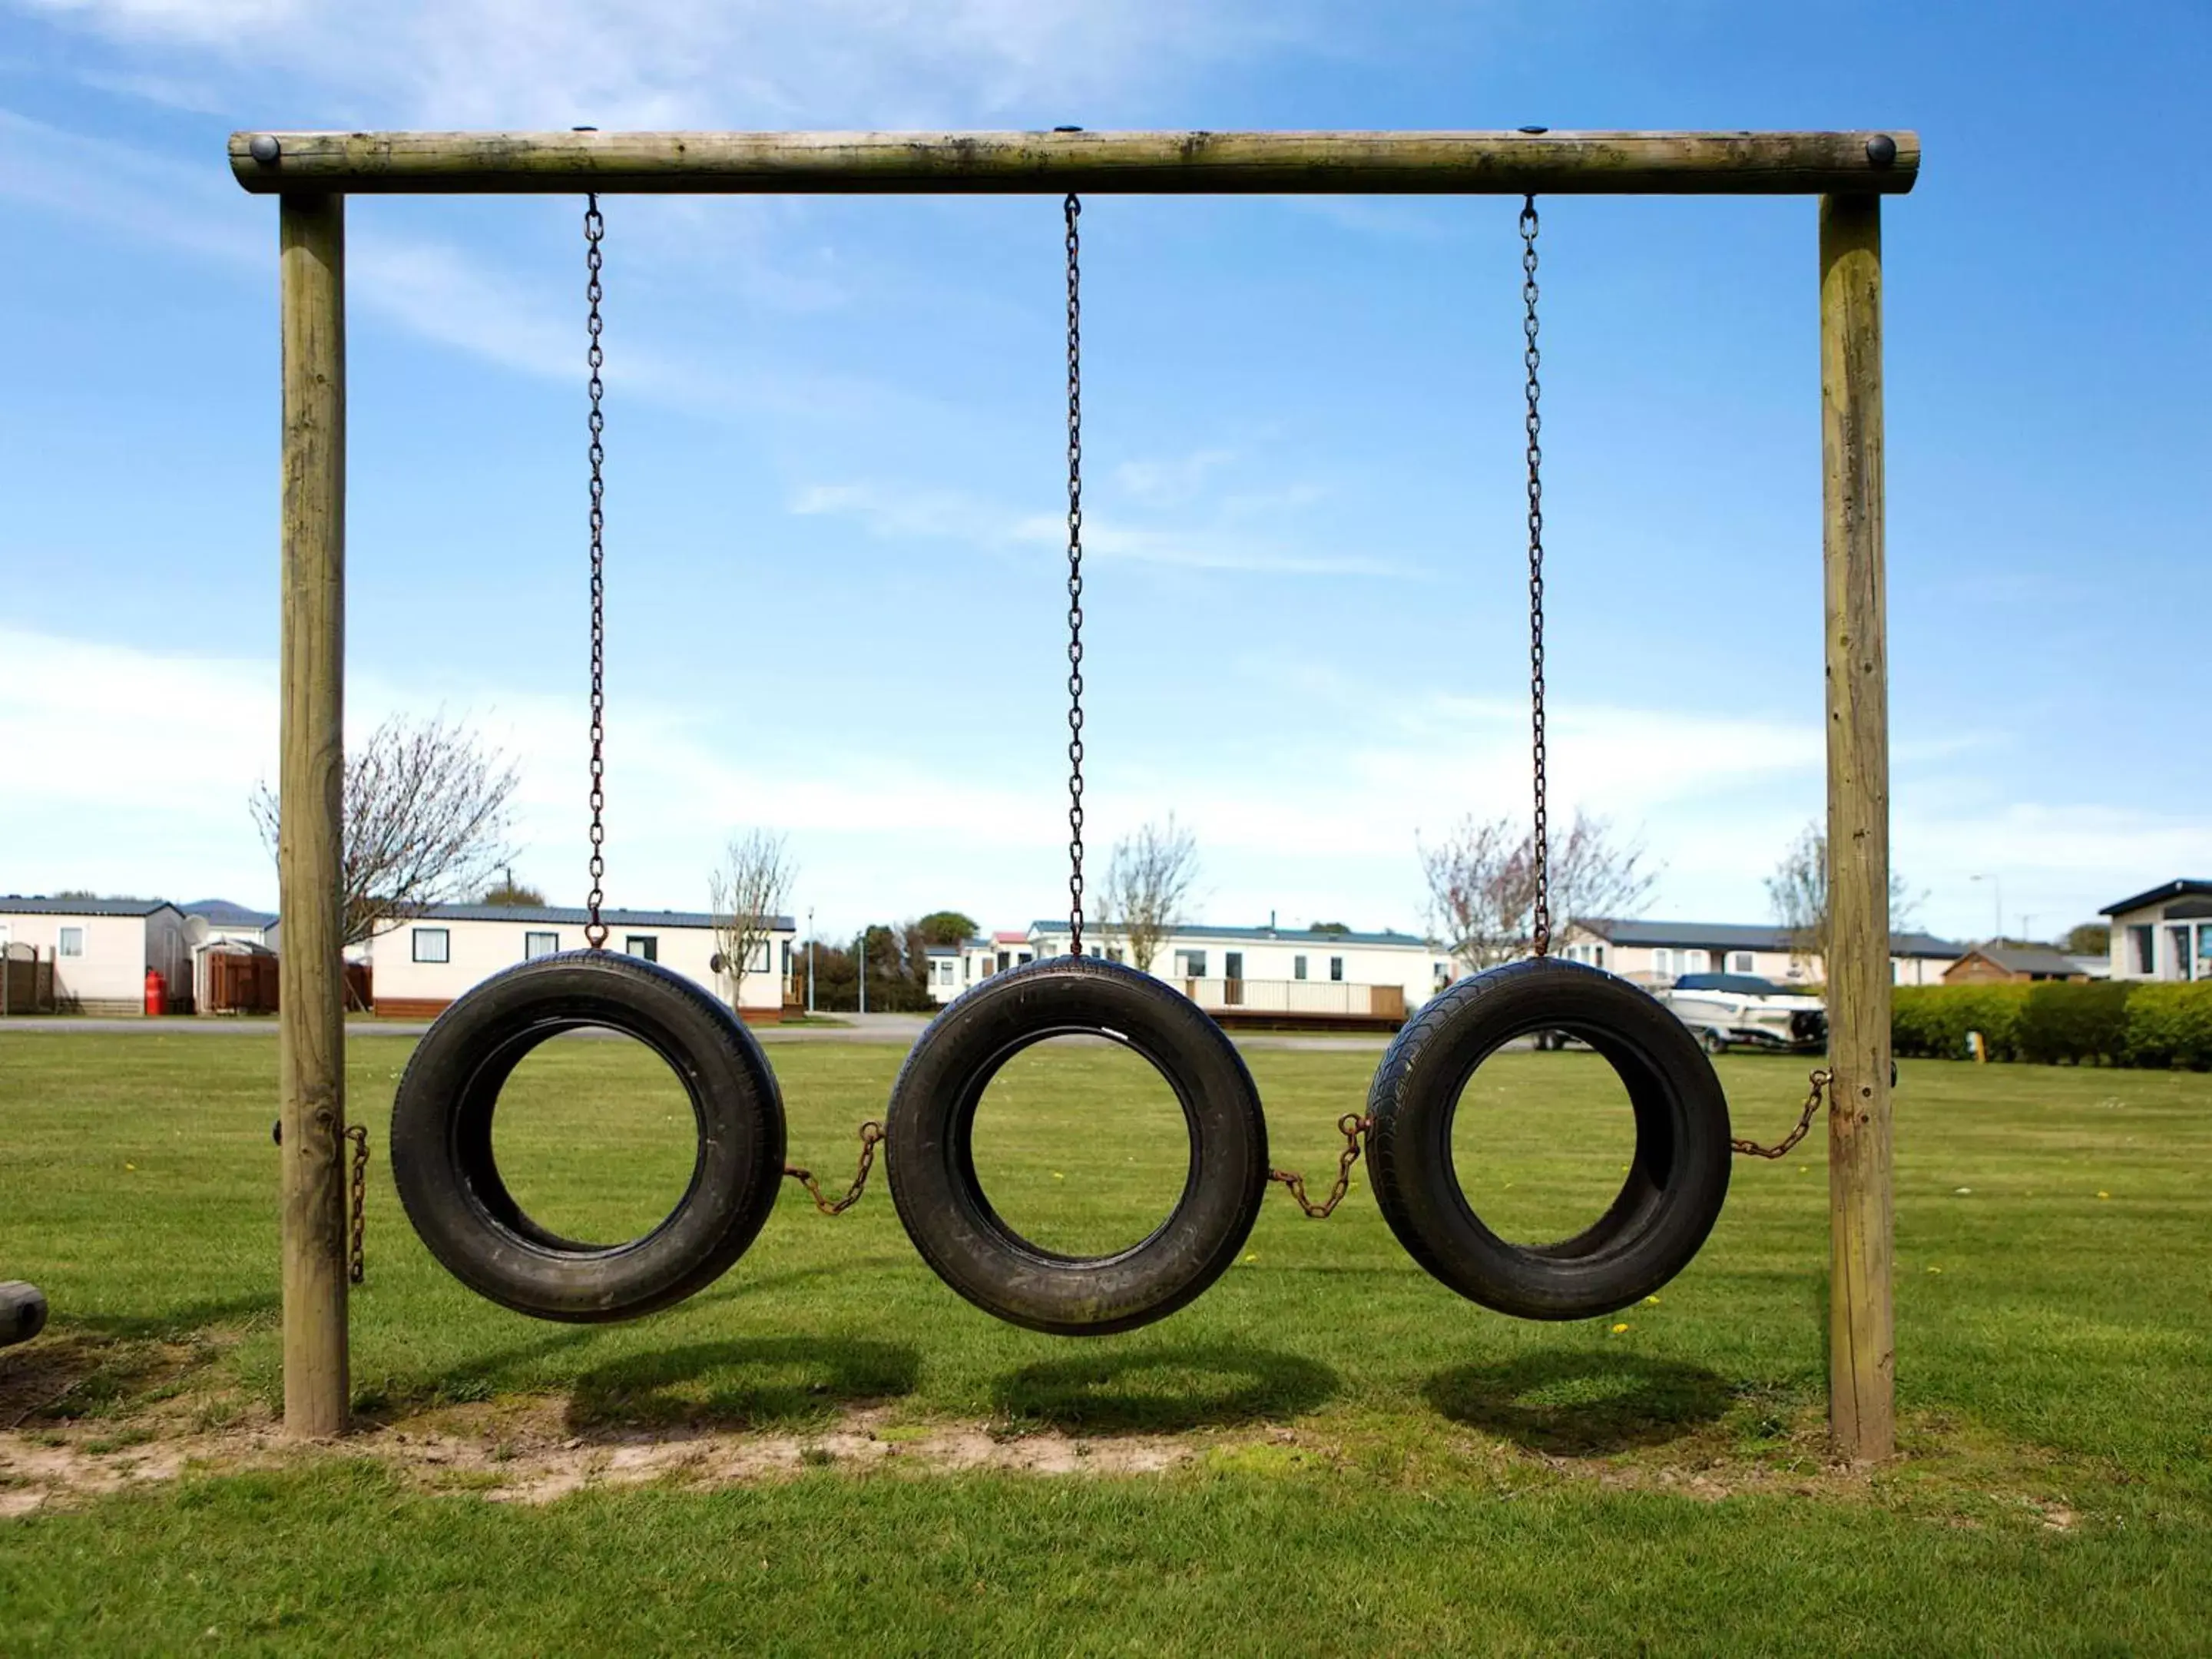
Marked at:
<point>1168,163</point>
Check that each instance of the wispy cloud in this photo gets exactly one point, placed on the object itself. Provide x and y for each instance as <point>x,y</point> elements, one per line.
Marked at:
<point>526,321</point>
<point>938,514</point>
<point>657,63</point>
<point>117,778</point>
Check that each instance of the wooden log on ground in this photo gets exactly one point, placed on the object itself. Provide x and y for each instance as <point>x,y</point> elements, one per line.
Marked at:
<point>22,1311</point>
<point>1861,1346</point>
<point>1265,163</point>
<point>310,764</point>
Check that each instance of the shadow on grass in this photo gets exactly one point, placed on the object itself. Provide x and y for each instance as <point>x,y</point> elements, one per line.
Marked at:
<point>179,1324</point>
<point>745,1383</point>
<point>1582,1404</point>
<point>103,1364</point>
<point>1167,1390</point>
<point>392,1394</point>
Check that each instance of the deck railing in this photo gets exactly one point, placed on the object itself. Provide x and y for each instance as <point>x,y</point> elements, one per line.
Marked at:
<point>1295,998</point>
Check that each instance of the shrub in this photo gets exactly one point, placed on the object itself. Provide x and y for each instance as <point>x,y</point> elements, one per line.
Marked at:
<point>1934,1019</point>
<point>2075,1023</point>
<point>2170,1025</point>
<point>2119,1022</point>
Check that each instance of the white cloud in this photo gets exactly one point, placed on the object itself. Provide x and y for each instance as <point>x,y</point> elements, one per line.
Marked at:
<point>528,321</point>
<point>940,514</point>
<point>660,64</point>
<point>129,770</point>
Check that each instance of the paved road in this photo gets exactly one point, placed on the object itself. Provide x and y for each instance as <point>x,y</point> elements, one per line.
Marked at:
<point>900,1030</point>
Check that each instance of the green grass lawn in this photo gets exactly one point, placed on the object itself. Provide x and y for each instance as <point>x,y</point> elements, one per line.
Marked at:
<point>1378,1465</point>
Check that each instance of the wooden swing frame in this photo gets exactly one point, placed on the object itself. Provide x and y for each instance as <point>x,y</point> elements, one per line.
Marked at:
<point>313,173</point>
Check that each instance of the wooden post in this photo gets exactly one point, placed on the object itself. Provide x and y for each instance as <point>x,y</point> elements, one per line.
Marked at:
<point>310,764</point>
<point>1862,1355</point>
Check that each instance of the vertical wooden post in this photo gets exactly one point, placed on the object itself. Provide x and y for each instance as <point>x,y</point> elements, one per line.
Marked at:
<point>311,1044</point>
<point>1862,1354</point>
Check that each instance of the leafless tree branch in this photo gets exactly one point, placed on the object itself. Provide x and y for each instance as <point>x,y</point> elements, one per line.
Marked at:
<point>1148,880</point>
<point>746,893</point>
<point>426,815</point>
<point>1481,878</point>
<point>1798,892</point>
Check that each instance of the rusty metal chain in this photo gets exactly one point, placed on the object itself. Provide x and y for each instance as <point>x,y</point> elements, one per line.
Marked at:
<point>1820,1078</point>
<point>1532,359</point>
<point>872,1136</point>
<point>595,229</point>
<point>1072,209</point>
<point>356,1263</point>
<point>1352,1127</point>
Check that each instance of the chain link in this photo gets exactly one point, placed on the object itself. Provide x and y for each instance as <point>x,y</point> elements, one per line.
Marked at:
<point>1532,359</point>
<point>872,1136</point>
<point>356,1263</point>
<point>1352,1127</point>
<point>595,229</point>
<point>1820,1078</point>
<point>1072,209</point>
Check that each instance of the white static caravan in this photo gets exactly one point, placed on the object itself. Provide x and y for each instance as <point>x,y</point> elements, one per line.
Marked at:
<point>1322,976</point>
<point>100,948</point>
<point>423,964</point>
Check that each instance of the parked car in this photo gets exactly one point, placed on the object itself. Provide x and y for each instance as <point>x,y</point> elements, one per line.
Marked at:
<point>1741,1010</point>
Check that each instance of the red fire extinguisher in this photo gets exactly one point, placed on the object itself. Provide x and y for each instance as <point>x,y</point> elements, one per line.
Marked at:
<point>157,991</point>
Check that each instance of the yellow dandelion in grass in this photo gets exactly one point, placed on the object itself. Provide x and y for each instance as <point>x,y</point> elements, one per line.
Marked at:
<point>134,1166</point>
<point>2104,1194</point>
<point>1651,1301</point>
<point>1934,1270</point>
<point>1056,1175</point>
<point>1250,1260</point>
<point>1617,1329</point>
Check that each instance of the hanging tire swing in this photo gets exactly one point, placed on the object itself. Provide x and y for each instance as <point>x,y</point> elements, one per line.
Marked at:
<point>442,1160</point>
<point>930,1124</point>
<point>1678,1177</point>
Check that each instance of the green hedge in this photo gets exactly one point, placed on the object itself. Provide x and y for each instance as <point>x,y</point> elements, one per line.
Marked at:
<point>2112,1023</point>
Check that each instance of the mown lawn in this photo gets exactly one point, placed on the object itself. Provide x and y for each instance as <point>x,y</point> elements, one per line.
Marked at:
<point>1379,1466</point>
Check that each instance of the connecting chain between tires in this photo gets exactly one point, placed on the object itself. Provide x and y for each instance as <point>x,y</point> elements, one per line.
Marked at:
<point>1820,1079</point>
<point>356,1263</point>
<point>1352,1127</point>
<point>872,1136</point>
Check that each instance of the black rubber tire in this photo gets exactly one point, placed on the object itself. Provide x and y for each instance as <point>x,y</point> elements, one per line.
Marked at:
<point>450,1184</point>
<point>23,1312</point>
<point>1677,1180</point>
<point>930,1128</point>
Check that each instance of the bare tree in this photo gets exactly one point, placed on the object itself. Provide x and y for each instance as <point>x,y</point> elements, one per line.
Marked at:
<point>426,819</point>
<point>1798,891</point>
<point>1482,884</point>
<point>1480,890</point>
<point>746,893</point>
<point>1147,881</point>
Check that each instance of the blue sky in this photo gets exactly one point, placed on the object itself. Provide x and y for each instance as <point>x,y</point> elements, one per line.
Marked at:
<point>834,468</point>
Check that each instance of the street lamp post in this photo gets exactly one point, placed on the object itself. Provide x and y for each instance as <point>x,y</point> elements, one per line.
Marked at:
<point>810,958</point>
<point>1997,907</point>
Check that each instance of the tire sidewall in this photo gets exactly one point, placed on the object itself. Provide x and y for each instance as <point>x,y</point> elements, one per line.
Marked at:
<point>941,1201</point>
<point>1677,1179</point>
<point>459,1205</point>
